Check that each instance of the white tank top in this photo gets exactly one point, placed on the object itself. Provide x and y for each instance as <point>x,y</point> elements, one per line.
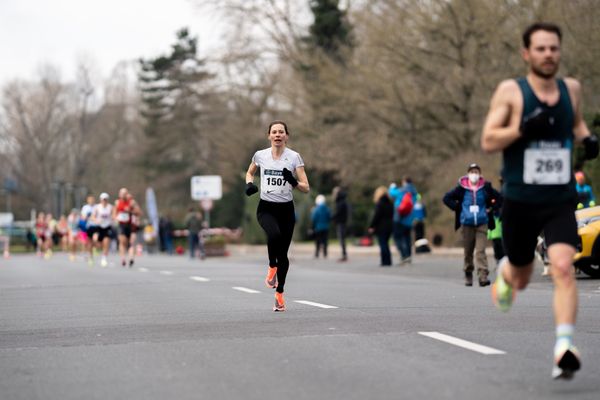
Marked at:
<point>103,215</point>
<point>272,186</point>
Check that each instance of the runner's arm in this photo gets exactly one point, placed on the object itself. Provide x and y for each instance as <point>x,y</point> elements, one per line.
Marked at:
<point>136,209</point>
<point>499,129</point>
<point>580,129</point>
<point>303,185</point>
<point>251,172</point>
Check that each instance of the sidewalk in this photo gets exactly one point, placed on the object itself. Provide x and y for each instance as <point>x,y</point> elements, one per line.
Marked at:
<point>308,248</point>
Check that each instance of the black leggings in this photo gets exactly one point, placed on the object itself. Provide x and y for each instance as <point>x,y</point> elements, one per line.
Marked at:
<point>277,220</point>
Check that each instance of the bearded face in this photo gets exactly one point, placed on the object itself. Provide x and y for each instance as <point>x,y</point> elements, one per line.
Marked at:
<point>543,54</point>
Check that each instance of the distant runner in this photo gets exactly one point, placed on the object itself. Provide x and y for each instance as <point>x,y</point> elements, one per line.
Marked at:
<point>102,215</point>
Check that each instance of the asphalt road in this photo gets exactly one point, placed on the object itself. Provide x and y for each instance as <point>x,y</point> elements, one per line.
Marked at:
<point>173,328</point>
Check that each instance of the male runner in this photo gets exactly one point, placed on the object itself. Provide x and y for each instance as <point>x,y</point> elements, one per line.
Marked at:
<point>535,121</point>
<point>123,210</point>
<point>88,225</point>
<point>102,215</point>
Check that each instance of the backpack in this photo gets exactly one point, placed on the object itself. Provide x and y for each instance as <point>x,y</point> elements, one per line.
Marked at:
<point>406,205</point>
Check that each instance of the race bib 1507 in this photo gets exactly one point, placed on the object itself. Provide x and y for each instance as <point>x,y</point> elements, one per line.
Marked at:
<point>547,166</point>
<point>273,182</point>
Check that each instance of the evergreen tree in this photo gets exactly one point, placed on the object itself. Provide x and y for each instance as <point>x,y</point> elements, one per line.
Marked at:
<point>176,102</point>
<point>330,30</point>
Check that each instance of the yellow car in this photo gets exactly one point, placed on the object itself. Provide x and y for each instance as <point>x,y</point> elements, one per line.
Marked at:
<point>587,258</point>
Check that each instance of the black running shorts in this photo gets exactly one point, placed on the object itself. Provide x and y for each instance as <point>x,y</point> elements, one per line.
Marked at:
<point>125,230</point>
<point>104,233</point>
<point>90,230</point>
<point>523,222</point>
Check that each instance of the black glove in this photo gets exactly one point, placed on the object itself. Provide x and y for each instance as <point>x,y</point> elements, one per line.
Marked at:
<point>288,177</point>
<point>590,144</point>
<point>537,124</point>
<point>251,188</point>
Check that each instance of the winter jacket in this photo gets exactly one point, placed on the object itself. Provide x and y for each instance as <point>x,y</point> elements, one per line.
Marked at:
<point>321,218</point>
<point>585,195</point>
<point>419,212</point>
<point>397,193</point>
<point>473,206</point>
<point>383,216</point>
<point>342,210</point>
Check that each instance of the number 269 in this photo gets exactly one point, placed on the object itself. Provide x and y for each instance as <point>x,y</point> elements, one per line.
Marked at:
<point>549,166</point>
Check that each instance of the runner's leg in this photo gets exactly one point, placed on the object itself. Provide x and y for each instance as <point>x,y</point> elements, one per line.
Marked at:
<point>287,220</point>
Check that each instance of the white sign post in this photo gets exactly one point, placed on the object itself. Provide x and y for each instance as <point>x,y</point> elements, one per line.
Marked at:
<point>206,188</point>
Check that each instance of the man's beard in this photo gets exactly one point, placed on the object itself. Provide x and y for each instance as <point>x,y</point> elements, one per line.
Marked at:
<point>542,74</point>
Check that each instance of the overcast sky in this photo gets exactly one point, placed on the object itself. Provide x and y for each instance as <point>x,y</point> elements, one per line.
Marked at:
<point>34,32</point>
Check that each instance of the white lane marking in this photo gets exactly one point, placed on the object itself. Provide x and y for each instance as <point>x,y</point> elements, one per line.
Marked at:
<point>312,303</point>
<point>245,290</point>
<point>143,269</point>
<point>199,279</point>
<point>463,343</point>
<point>166,272</point>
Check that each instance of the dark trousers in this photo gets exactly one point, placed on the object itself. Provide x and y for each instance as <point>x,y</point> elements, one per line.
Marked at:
<point>384,247</point>
<point>168,244</point>
<point>402,239</point>
<point>419,230</point>
<point>341,232</point>
<point>193,243</point>
<point>321,240</point>
<point>277,220</point>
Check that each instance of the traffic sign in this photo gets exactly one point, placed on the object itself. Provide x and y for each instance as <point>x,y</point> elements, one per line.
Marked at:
<point>6,219</point>
<point>206,187</point>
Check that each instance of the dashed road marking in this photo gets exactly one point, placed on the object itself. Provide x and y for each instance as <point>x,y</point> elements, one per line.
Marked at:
<point>245,290</point>
<point>463,343</point>
<point>312,303</point>
<point>166,272</point>
<point>142,269</point>
<point>199,279</point>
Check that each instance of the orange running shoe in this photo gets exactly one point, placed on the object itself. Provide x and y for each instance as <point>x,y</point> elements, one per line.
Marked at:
<point>279,302</point>
<point>271,279</point>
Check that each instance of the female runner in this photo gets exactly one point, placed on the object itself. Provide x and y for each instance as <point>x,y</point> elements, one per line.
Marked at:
<point>278,165</point>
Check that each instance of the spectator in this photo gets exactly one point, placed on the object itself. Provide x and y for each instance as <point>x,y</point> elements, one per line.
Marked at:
<point>340,217</point>
<point>585,194</point>
<point>404,198</point>
<point>419,214</point>
<point>193,224</point>
<point>471,199</point>
<point>321,218</point>
<point>382,224</point>
<point>161,234</point>
<point>166,231</point>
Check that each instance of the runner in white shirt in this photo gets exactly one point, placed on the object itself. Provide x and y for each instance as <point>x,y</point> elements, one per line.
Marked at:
<point>88,226</point>
<point>102,215</point>
<point>275,213</point>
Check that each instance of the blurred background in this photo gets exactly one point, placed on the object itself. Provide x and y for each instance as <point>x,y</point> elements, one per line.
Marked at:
<point>99,95</point>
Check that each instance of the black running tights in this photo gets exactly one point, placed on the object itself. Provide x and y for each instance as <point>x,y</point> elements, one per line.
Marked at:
<point>277,220</point>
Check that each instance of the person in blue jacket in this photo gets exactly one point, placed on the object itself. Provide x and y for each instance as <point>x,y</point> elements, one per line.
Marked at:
<point>585,195</point>
<point>473,200</point>
<point>321,218</point>
<point>402,226</point>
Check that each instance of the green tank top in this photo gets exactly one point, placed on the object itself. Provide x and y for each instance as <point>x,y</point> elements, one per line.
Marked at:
<point>540,171</point>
